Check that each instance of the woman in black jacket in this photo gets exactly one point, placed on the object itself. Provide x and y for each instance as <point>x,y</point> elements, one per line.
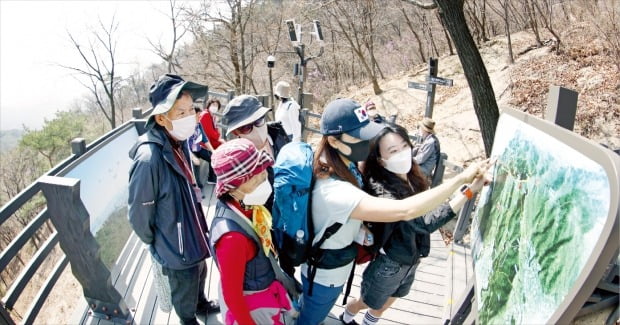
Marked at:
<point>390,172</point>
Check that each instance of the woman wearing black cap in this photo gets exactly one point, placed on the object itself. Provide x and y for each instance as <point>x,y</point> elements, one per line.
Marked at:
<point>337,197</point>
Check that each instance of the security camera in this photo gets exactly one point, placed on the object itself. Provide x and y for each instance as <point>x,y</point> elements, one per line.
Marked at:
<point>317,30</point>
<point>298,32</point>
<point>292,33</point>
<point>271,61</point>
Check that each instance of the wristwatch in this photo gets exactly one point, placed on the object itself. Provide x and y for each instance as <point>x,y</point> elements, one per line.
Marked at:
<point>466,190</point>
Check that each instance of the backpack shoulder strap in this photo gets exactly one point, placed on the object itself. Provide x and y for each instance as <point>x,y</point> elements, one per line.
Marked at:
<point>309,222</point>
<point>326,235</point>
<point>347,289</point>
<point>314,256</point>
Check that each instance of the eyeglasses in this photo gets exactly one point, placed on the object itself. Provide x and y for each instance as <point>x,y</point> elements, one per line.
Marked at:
<point>249,127</point>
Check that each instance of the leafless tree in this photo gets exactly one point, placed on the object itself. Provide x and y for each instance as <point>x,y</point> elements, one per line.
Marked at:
<point>605,16</point>
<point>356,23</point>
<point>545,14</point>
<point>477,14</point>
<point>414,31</point>
<point>178,31</point>
<point>99,63</point>
<point>501,8</point>
<point>485,104</point>
<point>18,168</point>
<point>228,42</point>
<point>445,33</point>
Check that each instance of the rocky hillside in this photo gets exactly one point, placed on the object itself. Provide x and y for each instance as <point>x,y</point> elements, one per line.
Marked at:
<point>584,65</point>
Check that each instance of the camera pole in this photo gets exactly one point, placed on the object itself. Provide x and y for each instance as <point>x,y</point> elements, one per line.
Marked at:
<point>271,60</point>
<point>295,36</point>
<point>302,74</point>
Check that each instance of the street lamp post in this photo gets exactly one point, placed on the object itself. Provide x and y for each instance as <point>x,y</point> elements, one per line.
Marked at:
<point>271,62</point>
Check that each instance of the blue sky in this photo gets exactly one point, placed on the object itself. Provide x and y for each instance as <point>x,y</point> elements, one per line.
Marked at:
<point>34,40</point>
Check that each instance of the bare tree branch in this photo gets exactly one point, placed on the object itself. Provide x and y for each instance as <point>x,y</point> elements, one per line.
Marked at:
<point>422,4</point>
<point>178,31</point>
<point>99,59</point>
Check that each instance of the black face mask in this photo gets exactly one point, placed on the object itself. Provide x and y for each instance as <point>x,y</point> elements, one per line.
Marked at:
<point>359,151</point>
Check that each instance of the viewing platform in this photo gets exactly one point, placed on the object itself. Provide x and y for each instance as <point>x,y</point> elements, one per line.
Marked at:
<point>83,213</point>
<point>439,277</point>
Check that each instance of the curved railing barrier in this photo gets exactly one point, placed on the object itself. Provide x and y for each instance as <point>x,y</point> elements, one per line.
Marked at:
<point>72,221</point>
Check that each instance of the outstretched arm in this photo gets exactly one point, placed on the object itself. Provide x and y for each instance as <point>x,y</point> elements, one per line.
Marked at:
<point>386,210</point>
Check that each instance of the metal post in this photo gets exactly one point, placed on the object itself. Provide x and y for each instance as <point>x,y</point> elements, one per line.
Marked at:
<point>562,106</point>
<point>430,97</point>
<point>71,219</point>
<point>439,170</point>
<point>304,130</point>
<point>78,146</point>
<point>5,318</point>
<point>462,222</point>
<point>264,101</point>
<point>136,113</point>
<point>271,89</point>
<point>302,72</point>
<point>465,303</point>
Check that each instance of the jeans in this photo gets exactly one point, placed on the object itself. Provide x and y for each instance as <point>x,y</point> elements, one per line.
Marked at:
<point>187,290</point>
<point>315,308</point>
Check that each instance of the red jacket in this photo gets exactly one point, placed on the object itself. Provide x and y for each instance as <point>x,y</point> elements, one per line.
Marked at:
<point>208,125</point>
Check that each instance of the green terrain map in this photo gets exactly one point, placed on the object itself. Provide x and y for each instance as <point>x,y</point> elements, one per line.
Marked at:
<point>535,226</point>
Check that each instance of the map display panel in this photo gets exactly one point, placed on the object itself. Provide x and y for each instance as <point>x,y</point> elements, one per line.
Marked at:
<point>539,226</point>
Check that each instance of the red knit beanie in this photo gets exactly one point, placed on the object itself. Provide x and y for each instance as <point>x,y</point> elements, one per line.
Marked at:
<point>235,162</point>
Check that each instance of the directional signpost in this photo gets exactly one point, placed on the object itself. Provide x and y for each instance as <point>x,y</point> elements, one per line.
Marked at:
<point>431,81</point>
<point>416,85</point>
<point>439,81</point>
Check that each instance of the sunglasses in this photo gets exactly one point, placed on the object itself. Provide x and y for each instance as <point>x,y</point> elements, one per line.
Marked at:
<point>249,127</point>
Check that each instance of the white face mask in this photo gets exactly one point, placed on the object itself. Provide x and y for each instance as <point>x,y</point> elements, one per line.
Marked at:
<point>213,108</point>
<point>399,163</point>
<point>183,128</point>
<point>259,196</point>
<point>258,136</point>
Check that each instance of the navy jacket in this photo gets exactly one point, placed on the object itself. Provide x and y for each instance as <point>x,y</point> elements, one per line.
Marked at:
<point>163,209</point>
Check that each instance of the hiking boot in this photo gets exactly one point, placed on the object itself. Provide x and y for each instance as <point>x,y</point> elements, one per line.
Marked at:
<point>352,322</point>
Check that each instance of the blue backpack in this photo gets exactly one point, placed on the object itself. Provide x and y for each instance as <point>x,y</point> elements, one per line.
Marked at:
<point>292,213</point>
<point>292,187</point>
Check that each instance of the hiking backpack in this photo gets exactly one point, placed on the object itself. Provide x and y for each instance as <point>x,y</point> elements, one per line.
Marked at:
<point>292,187</point>
<point>292,208</point>
<point>292,213</point>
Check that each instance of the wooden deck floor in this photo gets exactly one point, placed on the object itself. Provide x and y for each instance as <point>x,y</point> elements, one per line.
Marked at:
<point>440,280</point>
